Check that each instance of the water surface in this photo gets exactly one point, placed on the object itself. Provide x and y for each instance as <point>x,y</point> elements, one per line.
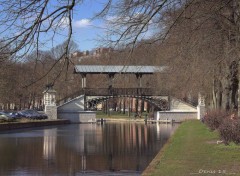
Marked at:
<point>82,149</point>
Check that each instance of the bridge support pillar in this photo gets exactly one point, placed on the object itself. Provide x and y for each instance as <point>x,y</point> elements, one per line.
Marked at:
<point>129,106</point>
<point>124,105</point>
<point>136,106</point>
<point>108,111</point>
<point>142,106</point>
<point>106,107</point>
<point>110,82</point>
<point>139,77</point>
<point>84,80</point>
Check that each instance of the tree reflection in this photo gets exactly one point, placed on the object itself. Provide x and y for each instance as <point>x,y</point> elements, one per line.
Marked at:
<point>80,148</point>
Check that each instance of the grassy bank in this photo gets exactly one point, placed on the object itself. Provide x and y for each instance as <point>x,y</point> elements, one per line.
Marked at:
<point>193,150</point>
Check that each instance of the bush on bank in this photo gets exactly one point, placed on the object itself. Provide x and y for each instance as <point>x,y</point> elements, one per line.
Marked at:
<point>226,123</point>
<point>230,131</point>
<point>215,118</point>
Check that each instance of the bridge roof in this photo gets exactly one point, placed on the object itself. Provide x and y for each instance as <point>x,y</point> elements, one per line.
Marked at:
<point>106,69</point>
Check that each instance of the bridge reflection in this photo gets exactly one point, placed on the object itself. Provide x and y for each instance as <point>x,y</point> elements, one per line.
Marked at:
<point>74,149</point>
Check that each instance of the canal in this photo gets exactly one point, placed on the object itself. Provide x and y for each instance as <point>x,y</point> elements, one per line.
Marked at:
<point>82,149</point>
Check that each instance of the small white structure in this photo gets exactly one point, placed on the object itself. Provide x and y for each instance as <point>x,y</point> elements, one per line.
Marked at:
<point>73,110</point>
<point>201,106</point>
<point>49,100</point>
<point>179,111</point>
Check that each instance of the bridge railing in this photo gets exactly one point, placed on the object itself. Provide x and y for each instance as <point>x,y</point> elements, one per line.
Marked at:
<point>120,91</point>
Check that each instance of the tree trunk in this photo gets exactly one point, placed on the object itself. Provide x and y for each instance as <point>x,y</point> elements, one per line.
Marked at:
<point>226,93</point>
<point>124,105</point>
<point>136,105</point>
<point>129,107</point>
<point>148,107</point>
<point>120,105</point>
<point>142,106</point>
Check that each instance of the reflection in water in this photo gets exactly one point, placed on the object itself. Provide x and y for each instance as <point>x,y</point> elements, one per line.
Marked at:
<point>49,143</point>
<point>79,149</point>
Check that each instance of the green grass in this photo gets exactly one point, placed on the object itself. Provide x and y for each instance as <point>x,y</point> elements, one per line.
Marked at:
<point>192,150</point>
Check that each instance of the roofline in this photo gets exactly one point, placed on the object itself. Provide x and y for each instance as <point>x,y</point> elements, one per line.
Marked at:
<point>161,68</point>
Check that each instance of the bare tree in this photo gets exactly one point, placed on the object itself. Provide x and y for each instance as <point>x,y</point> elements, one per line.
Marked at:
<point>132,21</point>
<point>25,22</point>
<point>203,36</point>
<point>212,46</point>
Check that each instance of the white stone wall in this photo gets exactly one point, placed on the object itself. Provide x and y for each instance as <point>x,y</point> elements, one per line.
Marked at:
<point>51,112</point>
<point>177,116</point>
<point>179,111</point>
<point>178,105</point>
<point>76,104</point>
<point>78,117</point>
<point>74,111</point>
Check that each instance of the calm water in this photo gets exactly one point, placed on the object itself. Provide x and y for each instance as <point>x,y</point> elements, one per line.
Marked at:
<point>82,149</point>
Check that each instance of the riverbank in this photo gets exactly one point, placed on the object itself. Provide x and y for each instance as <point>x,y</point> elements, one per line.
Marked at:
<point>137,120</point>
<point>30,124</point>
<point>193,150</point>
<point>115,115</point>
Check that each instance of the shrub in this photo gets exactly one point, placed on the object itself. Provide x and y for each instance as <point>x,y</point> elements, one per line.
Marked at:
<point>227,124</point>
<point>229,131</point>
<point>236,137</point>
<point>215,118</point>
<point>226,131</point>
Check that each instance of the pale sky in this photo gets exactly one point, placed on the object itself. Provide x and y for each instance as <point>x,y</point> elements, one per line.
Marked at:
<point>85,31</point>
